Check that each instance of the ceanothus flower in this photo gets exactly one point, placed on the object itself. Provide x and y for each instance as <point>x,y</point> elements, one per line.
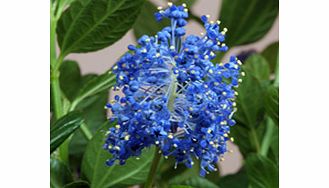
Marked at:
<point>174,96</point>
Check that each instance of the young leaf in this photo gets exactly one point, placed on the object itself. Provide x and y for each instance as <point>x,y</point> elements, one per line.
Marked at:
<point>89,25</point>
<point>70,79</point>
<point>262,172</point>
<point>59,173</point>
<point>272,103</point>
<point>258,67</point>
<point>63,128</point>
<point>250,101</point>
<point>247,20</point>
<point>271,55</point>
<point>94,86</point>
<point>146,23</point>
<point>93,165</point>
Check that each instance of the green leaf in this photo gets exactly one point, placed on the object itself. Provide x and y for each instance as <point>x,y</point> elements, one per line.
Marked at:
<point>271,55</point>
<point>77,184</point>
<point>274,148</point>
<point>93,112</point>
<point>59,173</point>
<point>248,139</point>
<point>250,101</point>
<point>272,103</point>
<point>241,135</point>
<point>176,175</point>
<point>63,128</point>
<point>89,25</point>
<point>197,182</point>
<point>94,86</point>
<point>258,67</point>
<point>262,172</point>
<point>146,23</point>
<point>237,180</point>
<point>183,174</point>
<point>70,79</point>
<point>93,166</point>
<point>247,20</point>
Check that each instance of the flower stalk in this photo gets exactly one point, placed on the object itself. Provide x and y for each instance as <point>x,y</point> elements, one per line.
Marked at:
<point>153,169</point>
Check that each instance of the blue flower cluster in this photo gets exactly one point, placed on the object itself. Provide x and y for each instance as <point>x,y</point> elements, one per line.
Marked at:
<point>174,96</point>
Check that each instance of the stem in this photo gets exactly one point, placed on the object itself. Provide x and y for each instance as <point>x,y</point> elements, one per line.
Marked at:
<point>56,96</point>
<point>54,81</point>
<point>54,64</point>
<point>267,137</point>
<point>154,166</point>
<point>172,93</point>
<point>83,127</point>
<point>86,132</point>
<point>255,139</point>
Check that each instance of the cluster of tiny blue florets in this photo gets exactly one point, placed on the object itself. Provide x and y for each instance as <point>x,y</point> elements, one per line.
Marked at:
<point>174,96</point>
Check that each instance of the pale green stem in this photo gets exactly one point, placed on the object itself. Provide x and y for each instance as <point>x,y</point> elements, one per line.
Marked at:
<point>153,169</point>
<point>266,143</point>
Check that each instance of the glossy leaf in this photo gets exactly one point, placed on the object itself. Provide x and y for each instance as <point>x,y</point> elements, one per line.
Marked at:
<point>258,67</point>
<point>262,172</point>
<point>247,20</point>
<point>271,55</point>
<point>95,85</point>
<point>146,23</point>
<point>93,166</point>
<point>89,25</point>
<point>70,79</point>
<point>272,103</point>
<point>63,128</point>
<point>237,180</point>
<point>60,174</point>
<point>77,184</point>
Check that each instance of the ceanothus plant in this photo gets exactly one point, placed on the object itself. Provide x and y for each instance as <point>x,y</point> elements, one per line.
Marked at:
<point>174,96</point>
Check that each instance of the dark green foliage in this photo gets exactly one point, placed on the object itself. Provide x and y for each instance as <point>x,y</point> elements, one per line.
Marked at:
<point>70,79</point>
<point>271,55</point>
<point>63,128</point>
<point>237,180</point>
<point>146,23</point>
<point>60,174</point>
<point>89,25</point>
<point>247,20</point>
<point>272,103</point>
<point>100,175</point>
<point>262,172</point>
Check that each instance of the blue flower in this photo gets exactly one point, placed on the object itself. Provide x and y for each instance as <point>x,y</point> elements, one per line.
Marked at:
<point>174,96</point>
